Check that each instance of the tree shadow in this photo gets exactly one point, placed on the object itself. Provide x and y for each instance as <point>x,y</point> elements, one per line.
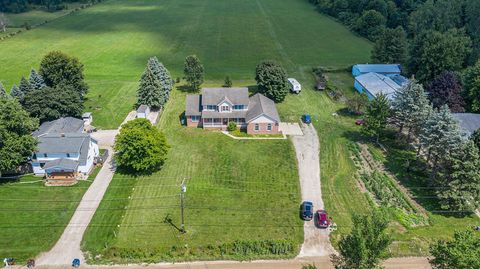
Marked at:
<point>186,88</point>
<point>345,112</point>
<point>253,89</point>
<point>9,179</point>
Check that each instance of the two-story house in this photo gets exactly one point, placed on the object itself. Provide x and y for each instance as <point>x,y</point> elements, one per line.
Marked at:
<point>64,152</point>
<point>216,107</point>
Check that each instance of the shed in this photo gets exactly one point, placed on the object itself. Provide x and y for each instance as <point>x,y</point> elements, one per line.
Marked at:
<point>87,118</point>
<point>384,69</point>
<point>143,111</point>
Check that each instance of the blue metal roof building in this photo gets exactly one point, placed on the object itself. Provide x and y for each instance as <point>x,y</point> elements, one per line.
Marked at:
<point>384,69</point>
<point>373,83</point>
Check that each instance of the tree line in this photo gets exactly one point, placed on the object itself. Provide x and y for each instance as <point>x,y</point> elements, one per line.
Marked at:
<point>19,6</point>
<point>453,158</point>
<point>438,42</point>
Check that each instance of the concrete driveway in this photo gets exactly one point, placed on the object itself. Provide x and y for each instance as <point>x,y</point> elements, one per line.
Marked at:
<point>288,128</point>
<point>105,138</point>
<point>307,147</point>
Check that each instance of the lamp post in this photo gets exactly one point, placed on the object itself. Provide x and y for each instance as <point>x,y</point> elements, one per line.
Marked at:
<point>182,192</point>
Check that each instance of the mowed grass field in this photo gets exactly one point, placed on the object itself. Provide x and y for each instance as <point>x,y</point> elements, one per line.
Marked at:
<point>33,216</point>
<point>236,190</point>
<point>114,39</point>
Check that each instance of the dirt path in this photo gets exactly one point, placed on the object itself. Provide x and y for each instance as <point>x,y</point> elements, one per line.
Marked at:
<point>320,262</point>
<point>68,246</point>
<point>307,147</point>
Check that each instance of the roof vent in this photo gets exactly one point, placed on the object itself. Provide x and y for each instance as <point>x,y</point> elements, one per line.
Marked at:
<point>62,135</point>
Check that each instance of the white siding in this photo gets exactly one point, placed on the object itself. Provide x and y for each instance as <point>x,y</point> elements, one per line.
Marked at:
<point>262,119</point>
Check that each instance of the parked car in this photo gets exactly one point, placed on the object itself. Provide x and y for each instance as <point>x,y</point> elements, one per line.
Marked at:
<point>322,219</point>
<point>360,122</point>
<point>295,86</point>
<point>307,119</point>
<point>306,210</point>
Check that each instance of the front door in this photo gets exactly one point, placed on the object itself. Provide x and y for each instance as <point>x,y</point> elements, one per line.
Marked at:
<point>225,121</point>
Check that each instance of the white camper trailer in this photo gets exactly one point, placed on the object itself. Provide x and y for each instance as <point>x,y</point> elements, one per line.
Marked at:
<point>295,86</point>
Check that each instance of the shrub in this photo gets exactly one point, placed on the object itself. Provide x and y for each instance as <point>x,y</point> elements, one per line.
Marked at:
<point>232,126</point>
<point>228,82</point>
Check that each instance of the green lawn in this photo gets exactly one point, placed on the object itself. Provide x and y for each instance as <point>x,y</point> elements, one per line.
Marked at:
<point>115,38</point>
<point>34,216</point>
<point>236,190</point>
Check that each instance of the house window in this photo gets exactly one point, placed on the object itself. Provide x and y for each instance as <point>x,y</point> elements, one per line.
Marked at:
<point>45,155</point>
<point>195,118</point>
<point>269,127</point>
<point>238,107</point>
<point>68,155</point>
<point>257,127</point>
<point>224,108</point>
<point>211,107</point>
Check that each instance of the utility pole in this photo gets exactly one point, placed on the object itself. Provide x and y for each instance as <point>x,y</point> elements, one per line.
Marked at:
<point>182,193</point>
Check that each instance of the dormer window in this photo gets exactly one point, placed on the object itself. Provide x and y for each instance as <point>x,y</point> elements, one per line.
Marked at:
<point>239,107</point>
<point>224,108</point>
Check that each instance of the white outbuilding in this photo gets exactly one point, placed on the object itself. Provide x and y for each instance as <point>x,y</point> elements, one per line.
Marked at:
<point>143,111</point>
<point>295,86</point>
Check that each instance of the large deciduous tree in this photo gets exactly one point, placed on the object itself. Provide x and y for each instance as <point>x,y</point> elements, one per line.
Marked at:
<point>53,103</point>
<point>272,80</point>
<point>367,244</point>
<point>446,89</point>
<point>155,85</point>
<point>463,252</point>
<point>391,47</point>
<point>194,72</point>
<point>57,68</point>
<point>434,52</point>
<point>16,141</point>
<point>358,103</point>
<point>376,116</point>
<point>472,87</point>
<point>460,179</point>
<point>370,24</point>
<point>140,147</point>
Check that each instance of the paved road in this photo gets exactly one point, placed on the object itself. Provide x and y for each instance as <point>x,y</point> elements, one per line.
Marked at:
<point>307,147</point>
<point>320,262</point>
<point>68,246</point>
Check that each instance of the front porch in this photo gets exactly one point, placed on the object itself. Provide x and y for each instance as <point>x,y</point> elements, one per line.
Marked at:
<point>222,123</point>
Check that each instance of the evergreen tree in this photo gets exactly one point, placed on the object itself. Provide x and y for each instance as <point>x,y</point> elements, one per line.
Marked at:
<point>391,47</point>
<point>194,72</point>
<point>272,80</point>
<point>155,85</point>
<point>376,116</point>
<point>472,87</point>
<point>25,86</point>
<point>228,82</point>
<point>411,108</point>
<point>446,89</point>
<point>460,179</point>
<point>440,136</point>
<point>36,80</point>
<point>16,93</point>
<point>3,92</point>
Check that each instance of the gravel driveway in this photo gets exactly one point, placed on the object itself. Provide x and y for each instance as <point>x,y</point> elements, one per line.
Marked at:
<point>307,147</point>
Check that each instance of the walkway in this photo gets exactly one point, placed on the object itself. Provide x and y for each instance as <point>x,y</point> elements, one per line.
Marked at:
<point>68,246</point>
<point>307,147</point>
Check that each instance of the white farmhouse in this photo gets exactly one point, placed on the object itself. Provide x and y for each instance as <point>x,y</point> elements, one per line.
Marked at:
<point>295,86</point>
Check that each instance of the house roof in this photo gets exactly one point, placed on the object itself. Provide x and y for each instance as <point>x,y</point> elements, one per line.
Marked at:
<point>65,143</point>
<point>217,114</point>
<point>142,109</point>
<point>64,163</point>
<point>213,96</point>
<point>192,105</point>
<point>261,105</point>
<point>377,83</point>
<point>379,68</point>
<point>469,122</point>
<point>62,125</point>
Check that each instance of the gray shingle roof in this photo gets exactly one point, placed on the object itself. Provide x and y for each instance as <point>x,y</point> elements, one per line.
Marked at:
<point>62,125</point>
<point>192,105</point>
<point>469,122</point>
<point>64,163</point>
<point>378,83</point>
<point>68,143</point>
<point>213,96</point>
<point>261,105</point>
<point>142,109</point>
